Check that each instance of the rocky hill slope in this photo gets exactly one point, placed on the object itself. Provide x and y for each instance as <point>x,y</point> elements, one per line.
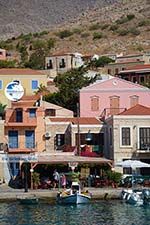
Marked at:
<point>89,26</point>
<point>19,16</point>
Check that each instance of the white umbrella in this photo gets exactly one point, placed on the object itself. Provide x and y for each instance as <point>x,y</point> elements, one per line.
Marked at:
<point>132,164</point>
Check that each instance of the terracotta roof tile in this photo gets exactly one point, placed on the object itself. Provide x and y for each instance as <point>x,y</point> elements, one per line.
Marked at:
<point>137,110</point>
<point>19,71</point>
<point>74,120</point>
<point>139,67</point>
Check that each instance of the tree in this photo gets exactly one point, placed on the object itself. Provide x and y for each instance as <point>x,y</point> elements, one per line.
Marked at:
<point>2,110</point>
<point>101,62</point>
<point>69,85</point>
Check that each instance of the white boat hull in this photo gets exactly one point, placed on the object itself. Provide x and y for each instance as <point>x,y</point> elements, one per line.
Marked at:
<point>134,197</point>
<point>73,199</point>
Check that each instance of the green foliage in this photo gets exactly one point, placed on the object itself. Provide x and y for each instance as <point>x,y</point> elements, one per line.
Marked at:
<point>43,33</point>
<point>125,19</point>
<point>97,35</point>
<point>26,37</point>
<point>37,58</point>
<point>113,27</point>
<point>122,32</point>
<point>7,64</point>
<point>134,31</point>
<point>101,62</point>
<point>39,44</point>
<point>51,43</point>
<point>77,31</point>
<point>69,85</point>
<point>95,26</point>
<point>2,110</point>
<point>145,22</point>
<point>130,16</point>
<point>104,26</point>
<point>64,34</point>
<point>114,176</point>
<point>36,178</point>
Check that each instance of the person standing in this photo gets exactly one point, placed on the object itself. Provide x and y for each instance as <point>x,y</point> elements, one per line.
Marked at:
<point>63,181</point>
<point>56,178</point>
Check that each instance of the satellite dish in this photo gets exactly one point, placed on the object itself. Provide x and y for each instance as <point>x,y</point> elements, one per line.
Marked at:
<point>14,91</point>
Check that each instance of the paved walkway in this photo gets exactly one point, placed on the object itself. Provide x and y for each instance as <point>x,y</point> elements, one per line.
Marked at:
<point>7,193</point>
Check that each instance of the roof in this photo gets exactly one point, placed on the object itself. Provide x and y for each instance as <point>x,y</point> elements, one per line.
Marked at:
<point>137,110</point>
<point>137,68</point>
<point>114,83</point>
<point>74,120</point>
<point>19,71</point>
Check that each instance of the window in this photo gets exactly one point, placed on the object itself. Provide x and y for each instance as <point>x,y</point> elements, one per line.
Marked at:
<point>19,115</point>
<point>50,112</point>
<point>144,138</point>
<point>1,84</point>
<point>94,103</point>
<point>116,71</point>
<point>50,64</point>
<point>34,84</point>
<point>134,80</point>
<point>29,139</point>
<point>126,139</point>
<point>109,71</point>
<point>32,113</point>
<point>13,138</point>
<point>142,79</point>
<point>62,63</point>
<point>60,139</point>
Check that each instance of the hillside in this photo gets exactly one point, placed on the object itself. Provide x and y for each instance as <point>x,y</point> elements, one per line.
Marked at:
<point>19,16</point>
<point>88,26</point>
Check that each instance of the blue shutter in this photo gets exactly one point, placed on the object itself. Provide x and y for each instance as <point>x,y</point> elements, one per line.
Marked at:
<point>1,85</point>
<point>30,139</point>
<point>13,138</point>
<point>34,84</point>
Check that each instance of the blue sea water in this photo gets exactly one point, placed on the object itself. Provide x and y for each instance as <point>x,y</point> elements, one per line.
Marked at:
<point>95,213</point>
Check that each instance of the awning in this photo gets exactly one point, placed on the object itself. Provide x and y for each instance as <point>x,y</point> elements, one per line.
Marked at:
<point>65,159</point>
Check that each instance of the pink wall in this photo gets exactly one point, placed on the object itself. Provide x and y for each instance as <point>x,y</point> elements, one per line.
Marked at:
<point>105,89</point>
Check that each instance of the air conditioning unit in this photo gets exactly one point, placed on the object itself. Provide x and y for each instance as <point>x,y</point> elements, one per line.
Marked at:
<point>47,135</point>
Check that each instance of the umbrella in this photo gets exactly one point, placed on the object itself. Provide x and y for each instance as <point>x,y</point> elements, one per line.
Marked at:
<point>132,164</point>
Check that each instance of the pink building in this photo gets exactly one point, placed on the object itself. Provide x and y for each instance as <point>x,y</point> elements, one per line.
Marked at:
<point>110,97</point>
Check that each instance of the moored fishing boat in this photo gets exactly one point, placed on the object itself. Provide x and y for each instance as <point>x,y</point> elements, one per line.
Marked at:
<point>28,199</point>
<point>136,197</point>
<point>74,195</point>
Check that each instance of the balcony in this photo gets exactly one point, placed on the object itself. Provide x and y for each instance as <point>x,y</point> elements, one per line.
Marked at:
<point>21,148</point>
<point>144,148</point>
<point>32,122</point>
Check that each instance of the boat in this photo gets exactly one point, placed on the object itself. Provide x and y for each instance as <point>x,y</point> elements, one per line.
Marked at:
<point>28,199</point>
<point>74,195</point>
<point>136,197</point>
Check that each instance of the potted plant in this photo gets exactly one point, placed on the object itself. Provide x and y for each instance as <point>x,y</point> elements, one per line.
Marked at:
<point>36,180</point>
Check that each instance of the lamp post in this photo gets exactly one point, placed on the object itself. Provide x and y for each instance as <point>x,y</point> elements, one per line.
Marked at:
<point>25,178</point>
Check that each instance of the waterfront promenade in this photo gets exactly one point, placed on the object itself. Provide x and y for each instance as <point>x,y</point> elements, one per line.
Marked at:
<point>10,194</point>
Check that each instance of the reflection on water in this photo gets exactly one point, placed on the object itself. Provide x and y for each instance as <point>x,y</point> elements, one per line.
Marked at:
<point>95,213</point>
